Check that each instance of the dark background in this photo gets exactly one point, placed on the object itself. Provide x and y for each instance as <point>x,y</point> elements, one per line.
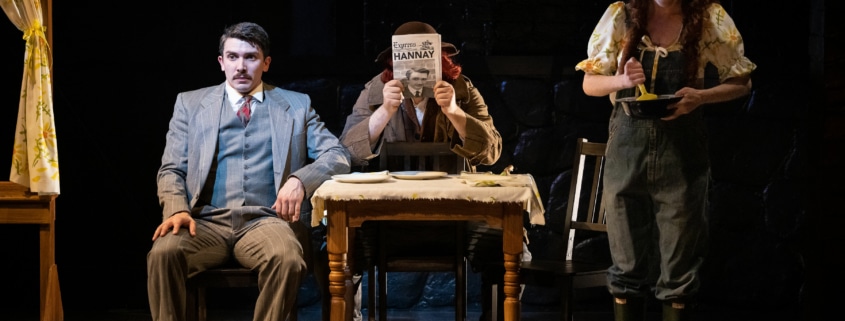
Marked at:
<point>117,70</point>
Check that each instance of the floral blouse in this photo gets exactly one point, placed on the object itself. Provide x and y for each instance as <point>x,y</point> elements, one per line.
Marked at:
<point>721,44</point>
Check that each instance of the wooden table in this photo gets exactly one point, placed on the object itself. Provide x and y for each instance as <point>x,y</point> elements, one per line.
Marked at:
<point>348,205</point>
<point>19,206</point>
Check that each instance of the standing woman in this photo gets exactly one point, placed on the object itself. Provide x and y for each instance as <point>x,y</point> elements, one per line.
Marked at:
<point>657,170</point>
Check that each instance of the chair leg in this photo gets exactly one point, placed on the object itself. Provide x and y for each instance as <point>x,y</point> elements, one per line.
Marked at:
<point>461,291</point>
<point>382,295</point>
<point>460,272</point>
<point>191,303</point>
<point>382,274</point>
<point>321,275</point>
<point>201,310</point>
<point>492,301</point>
<point>371,292</point>
<point>566,294</point>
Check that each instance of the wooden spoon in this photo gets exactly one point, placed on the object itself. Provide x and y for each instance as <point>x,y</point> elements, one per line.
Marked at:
<point>645,95</point>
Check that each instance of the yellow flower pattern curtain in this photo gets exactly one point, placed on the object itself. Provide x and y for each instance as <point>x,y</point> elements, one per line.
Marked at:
<point>35,160</point>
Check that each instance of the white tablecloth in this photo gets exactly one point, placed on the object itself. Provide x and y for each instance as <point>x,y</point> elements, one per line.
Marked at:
<point>521,189</point>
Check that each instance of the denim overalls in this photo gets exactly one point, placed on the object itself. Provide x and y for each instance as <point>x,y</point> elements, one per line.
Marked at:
<point>655,193</point>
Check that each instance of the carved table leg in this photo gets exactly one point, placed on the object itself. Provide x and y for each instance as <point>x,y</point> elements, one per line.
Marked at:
<point>340,277</point>
<point>512,247</point>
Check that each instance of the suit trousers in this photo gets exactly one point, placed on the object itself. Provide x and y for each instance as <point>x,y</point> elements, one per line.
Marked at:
<point>265,244</point>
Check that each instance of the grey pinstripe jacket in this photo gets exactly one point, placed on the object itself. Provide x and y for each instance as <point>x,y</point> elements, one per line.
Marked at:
<point>302,145</point>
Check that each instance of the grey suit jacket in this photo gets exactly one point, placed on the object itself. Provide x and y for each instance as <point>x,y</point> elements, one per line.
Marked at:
<point>302,146</point>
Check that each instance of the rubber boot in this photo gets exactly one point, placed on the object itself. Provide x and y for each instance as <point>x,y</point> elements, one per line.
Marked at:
<point>676,311</point>
<point>628,309</point>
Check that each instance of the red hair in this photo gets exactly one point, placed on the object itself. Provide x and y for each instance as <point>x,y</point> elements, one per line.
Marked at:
<point>451,70</point>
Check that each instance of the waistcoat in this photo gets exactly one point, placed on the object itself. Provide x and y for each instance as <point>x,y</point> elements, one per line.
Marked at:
<point>242,172</point>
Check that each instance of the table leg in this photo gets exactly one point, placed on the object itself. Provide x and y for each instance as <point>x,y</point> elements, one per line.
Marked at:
<point>45,261</point>
<point>340,277</point>
<point>512,247</point>
<point>19,206</point>
<point>51,299</point>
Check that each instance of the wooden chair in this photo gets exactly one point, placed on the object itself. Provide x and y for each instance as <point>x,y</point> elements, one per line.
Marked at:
<point>229,276</point>
<point>585,218</point>
<point>405,156</point>
<point>414,156</point>
<point>232,275</point>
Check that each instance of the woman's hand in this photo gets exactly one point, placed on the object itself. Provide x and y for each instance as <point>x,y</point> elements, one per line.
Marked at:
<point>692,98</point>
<point>444,94</point>
<point>632,73</point>
<point>392,95</point>
<point>628,75</point>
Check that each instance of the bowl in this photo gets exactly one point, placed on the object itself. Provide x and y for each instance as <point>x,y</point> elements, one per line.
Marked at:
<point>649,109</point>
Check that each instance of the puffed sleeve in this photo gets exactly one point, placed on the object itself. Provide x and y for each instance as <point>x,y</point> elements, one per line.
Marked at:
<point>721,45</point>
<point>606,42</point>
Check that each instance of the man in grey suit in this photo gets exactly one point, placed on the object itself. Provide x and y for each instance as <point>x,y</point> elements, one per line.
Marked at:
<point>241,161</point>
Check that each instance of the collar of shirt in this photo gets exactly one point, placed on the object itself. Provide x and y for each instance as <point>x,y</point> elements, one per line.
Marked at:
<point>236,99</point>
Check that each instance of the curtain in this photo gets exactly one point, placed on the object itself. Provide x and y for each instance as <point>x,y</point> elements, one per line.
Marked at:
<point>35,159</point>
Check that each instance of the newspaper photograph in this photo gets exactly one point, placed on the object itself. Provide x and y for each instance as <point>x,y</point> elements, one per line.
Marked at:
<point>416,62</point>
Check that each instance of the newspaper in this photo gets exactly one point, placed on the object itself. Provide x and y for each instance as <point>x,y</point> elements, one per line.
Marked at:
<point>416,62</point>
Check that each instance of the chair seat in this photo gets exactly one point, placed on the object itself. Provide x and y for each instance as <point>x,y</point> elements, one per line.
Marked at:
<point>581,274</point>
<point>228,277</point>
<point>421,264</point>
<point>565,268</point>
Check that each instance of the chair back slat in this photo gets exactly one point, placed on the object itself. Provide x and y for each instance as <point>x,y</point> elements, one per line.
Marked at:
<point>417,156</point>
<point>586,214</point>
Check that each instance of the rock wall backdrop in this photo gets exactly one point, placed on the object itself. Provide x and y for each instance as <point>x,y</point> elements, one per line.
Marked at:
<point>776,155</point>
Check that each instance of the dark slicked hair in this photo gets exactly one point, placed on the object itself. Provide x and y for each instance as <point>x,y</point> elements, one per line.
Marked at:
<point>419,70</point>
<point>249,32</point>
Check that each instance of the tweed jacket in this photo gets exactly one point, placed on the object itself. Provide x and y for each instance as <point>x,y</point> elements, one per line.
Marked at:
<point>482,144</point>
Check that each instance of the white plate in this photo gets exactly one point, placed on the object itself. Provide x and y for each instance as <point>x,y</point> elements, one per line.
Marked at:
<point>361,177</point>
<point>418,174</point>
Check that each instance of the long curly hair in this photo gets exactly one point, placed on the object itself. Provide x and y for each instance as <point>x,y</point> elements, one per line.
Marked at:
<point>451,70</point>
<point>695,14</point>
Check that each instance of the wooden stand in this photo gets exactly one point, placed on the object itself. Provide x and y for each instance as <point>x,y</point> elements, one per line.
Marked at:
<point>19,206</point>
